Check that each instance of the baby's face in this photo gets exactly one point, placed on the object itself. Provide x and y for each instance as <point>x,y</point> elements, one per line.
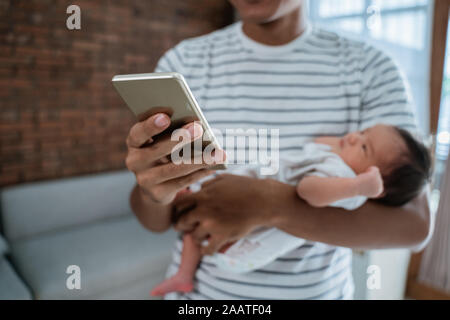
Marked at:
<point>376,146</point>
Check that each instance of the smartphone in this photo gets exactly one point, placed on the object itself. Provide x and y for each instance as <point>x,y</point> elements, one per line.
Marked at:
<point>149,93</point>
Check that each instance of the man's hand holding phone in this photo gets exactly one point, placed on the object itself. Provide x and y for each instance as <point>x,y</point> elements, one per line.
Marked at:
<point>158,177</point>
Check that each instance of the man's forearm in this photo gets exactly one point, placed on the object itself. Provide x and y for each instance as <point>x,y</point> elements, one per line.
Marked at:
<point>373,226</point>
<point>153,216</point>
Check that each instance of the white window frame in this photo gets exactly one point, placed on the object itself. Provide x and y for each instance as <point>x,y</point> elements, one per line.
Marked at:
<point>412,54</point>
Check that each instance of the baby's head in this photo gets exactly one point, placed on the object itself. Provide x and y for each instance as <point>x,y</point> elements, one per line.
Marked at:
<point>404,162</point>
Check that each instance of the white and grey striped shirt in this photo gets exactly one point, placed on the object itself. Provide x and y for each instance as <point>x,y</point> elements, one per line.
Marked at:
<point>318,84</point>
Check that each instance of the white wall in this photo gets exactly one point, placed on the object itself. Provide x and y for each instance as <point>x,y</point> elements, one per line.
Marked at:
<point>393,266</point>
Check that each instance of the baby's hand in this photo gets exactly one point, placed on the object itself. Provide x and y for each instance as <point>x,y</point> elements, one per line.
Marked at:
<point>183,192</point>
<point>370,183</point>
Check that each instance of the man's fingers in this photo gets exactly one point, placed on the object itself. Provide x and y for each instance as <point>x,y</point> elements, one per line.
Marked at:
<point>143,131</point>
<point>212,181</point>
<point>183,192</point>
<point>214,244</point>
<point>190,132</point>
<point>199,234</point>
<point>166,172</point>
<point>180,183</point>
<point>185,222</point>
<point>141,158</point>
<point>215,157</point>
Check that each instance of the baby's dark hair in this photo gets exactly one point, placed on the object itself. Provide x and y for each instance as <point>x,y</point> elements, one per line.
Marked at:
<point>405,181</point>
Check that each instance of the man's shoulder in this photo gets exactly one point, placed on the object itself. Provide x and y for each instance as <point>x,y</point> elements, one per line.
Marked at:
<point>327,39</point>
<point>370,56</point>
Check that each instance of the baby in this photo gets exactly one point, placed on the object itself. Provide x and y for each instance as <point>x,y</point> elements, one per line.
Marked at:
<point>383,163</point>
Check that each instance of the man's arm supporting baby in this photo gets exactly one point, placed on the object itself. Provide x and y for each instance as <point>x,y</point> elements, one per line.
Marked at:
<point>223,209</point>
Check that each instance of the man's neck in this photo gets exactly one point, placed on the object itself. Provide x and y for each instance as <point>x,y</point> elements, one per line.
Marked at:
<point>277,32</point>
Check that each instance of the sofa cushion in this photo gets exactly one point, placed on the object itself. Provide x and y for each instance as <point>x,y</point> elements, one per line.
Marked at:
<point>34,208</point>
<point>3,246</point>
<point>136,290</point>
<point>111,254</point>
<point>11,287</point>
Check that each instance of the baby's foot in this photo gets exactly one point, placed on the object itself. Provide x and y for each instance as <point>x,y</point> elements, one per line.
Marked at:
<point>177,283</point>
<point>371,183</point>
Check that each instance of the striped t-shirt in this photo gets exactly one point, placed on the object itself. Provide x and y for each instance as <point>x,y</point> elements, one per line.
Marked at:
<point>318,84</point>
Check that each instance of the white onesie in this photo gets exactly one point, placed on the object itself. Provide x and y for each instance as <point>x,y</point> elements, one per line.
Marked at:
<point>264,246</point>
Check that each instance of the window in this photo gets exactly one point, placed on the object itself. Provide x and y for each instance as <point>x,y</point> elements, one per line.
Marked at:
<point>443,130</point>
<point>402,28</point>
<point>399,27</point>
<point>443,133</point>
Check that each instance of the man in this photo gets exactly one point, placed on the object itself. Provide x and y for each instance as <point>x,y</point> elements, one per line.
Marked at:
<point>273,70</point>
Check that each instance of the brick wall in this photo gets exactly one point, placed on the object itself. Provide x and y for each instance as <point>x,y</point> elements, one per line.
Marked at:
<point>59,115</point>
